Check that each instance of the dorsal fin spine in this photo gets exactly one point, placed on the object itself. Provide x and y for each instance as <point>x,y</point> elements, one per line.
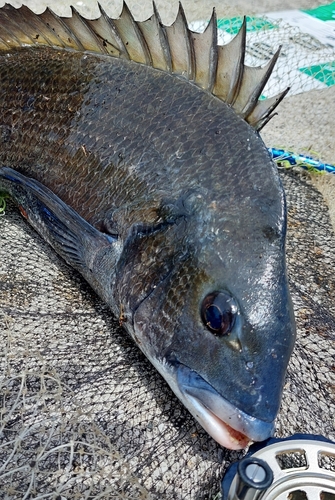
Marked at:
<point>230,67</point>
<point>190,46</point>
<point>213,64</point>
<point>78,23</point>
<point>44,19</point>
<point>152,32</point>
<point>15,34</point>
<point>49,17</point>
<point>236,85</point>
<point>252,91</point>
<point>132,37</point>
<point>176,49</point>
<point>6,37</point>
<point>181,47</point>
<point>114,32</point>
<point>206,55</point>
<point>32,23</point>
<point>262,112</point>
<point>163,39</point>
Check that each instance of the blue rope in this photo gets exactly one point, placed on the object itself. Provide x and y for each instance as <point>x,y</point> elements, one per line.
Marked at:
<point>307,162</point>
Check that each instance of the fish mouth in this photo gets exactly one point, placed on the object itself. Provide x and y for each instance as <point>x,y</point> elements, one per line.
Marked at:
<point>228,425</point>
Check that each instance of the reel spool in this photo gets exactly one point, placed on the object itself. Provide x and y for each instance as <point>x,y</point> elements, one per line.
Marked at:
<point>300,467</point>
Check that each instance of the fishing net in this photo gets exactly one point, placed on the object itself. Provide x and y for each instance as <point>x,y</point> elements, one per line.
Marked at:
<point>83,415</point>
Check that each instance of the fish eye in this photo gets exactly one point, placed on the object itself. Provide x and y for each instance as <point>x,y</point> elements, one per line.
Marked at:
<point>218,312</point>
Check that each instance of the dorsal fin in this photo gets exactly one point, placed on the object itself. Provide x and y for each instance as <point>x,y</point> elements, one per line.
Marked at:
<point>181,47</point>
<point>206,54</point>
<point>176,49</point>
<point>156,39</point>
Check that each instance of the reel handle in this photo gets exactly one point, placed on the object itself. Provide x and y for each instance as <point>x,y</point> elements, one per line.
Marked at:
<point>253,475</point>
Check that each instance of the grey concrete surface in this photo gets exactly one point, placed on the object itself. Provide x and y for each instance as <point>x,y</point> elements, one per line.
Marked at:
<point>195,9</point>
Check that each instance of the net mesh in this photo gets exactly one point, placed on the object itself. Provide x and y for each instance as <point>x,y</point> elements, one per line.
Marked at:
<point>84,415</point>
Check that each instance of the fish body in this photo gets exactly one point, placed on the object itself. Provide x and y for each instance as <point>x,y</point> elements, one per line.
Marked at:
<point>166,200</point>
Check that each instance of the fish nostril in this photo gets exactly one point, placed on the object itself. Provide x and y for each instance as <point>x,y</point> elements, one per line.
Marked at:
<point>218,313</point>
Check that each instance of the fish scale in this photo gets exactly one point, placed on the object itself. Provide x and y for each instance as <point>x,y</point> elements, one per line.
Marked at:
<point>84,140</point>
<point>162,195</point>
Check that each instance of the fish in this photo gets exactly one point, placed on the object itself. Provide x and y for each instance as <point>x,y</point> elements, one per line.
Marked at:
<point>133,149</point>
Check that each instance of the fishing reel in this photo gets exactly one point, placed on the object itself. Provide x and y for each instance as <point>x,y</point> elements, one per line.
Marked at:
<point>300,467</point>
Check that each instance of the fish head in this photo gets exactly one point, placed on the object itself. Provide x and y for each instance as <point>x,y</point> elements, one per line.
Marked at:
<point>219,326</point>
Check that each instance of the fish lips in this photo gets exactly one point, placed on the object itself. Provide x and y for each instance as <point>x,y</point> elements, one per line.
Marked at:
<point>228,425</point>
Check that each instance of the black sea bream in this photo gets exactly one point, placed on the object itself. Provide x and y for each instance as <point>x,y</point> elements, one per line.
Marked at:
<point>132,148</point>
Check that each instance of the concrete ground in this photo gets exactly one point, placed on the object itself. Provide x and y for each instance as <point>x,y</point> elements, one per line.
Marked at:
<point>195,9</point>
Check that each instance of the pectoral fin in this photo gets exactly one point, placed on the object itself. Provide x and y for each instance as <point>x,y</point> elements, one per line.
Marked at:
<point>92,253</point>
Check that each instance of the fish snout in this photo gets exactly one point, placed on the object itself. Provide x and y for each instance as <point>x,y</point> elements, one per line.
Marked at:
<point>228,425</point>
